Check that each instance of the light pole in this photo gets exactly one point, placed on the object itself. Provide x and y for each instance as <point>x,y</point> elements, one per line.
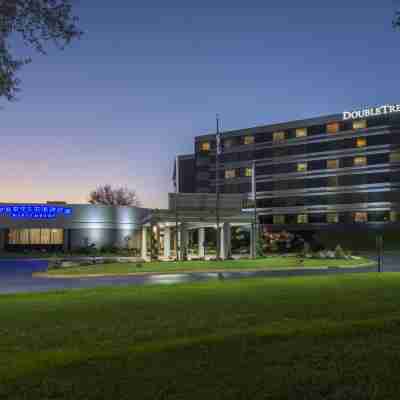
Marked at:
<point>217,153</point>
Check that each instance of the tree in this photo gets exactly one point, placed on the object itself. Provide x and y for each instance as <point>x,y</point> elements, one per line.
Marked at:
<point>36,22</point>
<point>396,20</point>
<point>109,196</point>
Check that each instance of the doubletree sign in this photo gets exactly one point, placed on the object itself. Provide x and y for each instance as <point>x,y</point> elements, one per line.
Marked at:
<point>372,112</point>
<point>34,212</point>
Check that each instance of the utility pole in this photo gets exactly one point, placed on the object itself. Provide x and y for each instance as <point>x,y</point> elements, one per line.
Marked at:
<point>217,216</point>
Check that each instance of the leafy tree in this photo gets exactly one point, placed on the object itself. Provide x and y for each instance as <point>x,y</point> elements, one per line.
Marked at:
<point>36,22</point>
<point>109,196</point>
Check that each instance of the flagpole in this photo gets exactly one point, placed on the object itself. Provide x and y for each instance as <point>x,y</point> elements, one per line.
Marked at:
<point>176,209</point>
<point>255,222</point>
<point>217,152</point>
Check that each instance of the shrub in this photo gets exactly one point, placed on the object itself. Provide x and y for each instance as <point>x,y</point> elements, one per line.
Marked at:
<point>339,252</point>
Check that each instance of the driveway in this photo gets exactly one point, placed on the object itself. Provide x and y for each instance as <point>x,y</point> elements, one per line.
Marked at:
<point>16,276</point>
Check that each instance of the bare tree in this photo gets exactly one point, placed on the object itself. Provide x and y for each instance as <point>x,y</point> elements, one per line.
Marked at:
<point>119,196</point>
<point>36,22</point>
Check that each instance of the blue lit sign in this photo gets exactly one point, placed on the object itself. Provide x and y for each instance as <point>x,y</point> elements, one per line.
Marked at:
<point>34,212</point>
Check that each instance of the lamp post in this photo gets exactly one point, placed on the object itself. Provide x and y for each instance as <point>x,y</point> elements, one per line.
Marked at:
<point>217,195</point>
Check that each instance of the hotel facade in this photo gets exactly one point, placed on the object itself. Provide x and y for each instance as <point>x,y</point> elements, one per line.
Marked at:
<point>336,173</point>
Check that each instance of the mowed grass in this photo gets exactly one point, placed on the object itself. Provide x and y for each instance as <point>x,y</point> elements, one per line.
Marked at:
<point>273,262</point>
<point>321,337</point>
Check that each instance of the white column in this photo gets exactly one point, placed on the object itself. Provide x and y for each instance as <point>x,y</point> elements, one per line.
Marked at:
<point>202,239</point>
<point>167,241</point>
<point>225,240</point>
<point>144,242</point>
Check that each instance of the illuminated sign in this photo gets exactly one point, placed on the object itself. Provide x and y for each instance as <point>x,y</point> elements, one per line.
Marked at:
<point>34,212</point>
<point>372,112</point>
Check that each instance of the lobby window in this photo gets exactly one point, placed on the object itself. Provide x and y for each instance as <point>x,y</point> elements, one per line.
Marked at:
<point>360,217</point>
<point>248,172</point>
<point>302,219</point>
<point>36,237</point>
<point>360,124</point>
<point>360,161</point>
<point>230,173</point>
<point>332,164</point>
<point>278,219</point>
<point>205,146</point>
<point>301,132</point>
<point>394,156</point>
<point>394,216</point>
<point>248,139</point>
<point>332,218</point>
<point>361,142</point>
<point>302,167</point>
<point>278,137</point>
<point>333,128</point>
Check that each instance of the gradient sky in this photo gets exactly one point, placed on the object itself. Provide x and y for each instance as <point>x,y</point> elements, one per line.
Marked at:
<point>117,106</point>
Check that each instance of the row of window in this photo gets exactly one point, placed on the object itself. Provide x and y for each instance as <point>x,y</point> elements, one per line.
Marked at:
<point>281,136</point>
<point>36,237</point>
<point>335,218</point>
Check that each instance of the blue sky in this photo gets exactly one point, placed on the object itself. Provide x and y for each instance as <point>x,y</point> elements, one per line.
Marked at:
<point>117,106</point>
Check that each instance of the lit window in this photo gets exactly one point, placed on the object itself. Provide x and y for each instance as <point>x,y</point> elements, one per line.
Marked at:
<point>248,171</point>
<point>230,173</point>
<point>36,237</point>
<point>332,164</point>
<point>205,146</point>
<point>248,140</point>
<point>278,137</point>
<point>302,219</point>
<point>278,219</point>
<point>360,217</point>
<point>361,142</point>
<point>301,132</point>
<point>360,161</point>
<point>360,124</point>
<point>394,216</point>
<point>332,218</point>
<point>333,127</point>
<point>302,167</point>
<point>394,156</point>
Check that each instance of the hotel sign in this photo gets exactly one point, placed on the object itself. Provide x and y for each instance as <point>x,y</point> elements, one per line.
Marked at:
<point>34,212</point>
<point>372,112</point>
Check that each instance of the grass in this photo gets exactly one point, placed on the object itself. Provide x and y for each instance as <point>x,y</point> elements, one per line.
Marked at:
<point>321,337</point>
<point>166,267</point>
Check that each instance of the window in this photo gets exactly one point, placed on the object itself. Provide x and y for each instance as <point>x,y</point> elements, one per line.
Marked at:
<point>394,216</point>
<point>36,237</point>
<point>301,132</point>
<point>248,140</point>
<point>361,142</point>
<point>302,219</point>
<point>332,164</point>
<point>228,143</point>
<point>333,181</point>
<point>278,219</point>
<point>278,137</point>
<point>302,167</point>
<point>230,173</point>
<point>248,171</point>
<point>360,217</point>
<point>205,146</point>
<point>333,128</point>
<point>394,156</point>
<point>360,161</point>
<point>332,218</point>
<point>360,124</point>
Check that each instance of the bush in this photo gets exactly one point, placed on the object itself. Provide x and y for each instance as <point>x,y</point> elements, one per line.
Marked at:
<point>339,252</point>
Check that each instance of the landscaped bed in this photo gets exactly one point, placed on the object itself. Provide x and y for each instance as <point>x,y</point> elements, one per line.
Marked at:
<point>330,337</point>
<point>269,263</point>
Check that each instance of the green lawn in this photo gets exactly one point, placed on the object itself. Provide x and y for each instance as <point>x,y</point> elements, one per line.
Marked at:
<point>321,337</point>
<point>160,267</point>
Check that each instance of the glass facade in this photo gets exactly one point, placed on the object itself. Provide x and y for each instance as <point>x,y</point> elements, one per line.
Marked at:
<point>36,236</point>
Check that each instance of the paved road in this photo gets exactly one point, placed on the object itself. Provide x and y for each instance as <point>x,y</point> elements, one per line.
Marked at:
<point>16,276</point>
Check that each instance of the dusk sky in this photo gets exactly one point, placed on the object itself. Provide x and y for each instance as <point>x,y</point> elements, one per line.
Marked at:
<point>118,105</point>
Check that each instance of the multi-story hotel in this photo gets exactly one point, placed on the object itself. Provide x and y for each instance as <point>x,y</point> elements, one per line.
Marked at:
<point>331,172</point>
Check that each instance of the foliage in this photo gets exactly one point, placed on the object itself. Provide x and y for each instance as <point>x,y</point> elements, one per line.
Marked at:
<point>339,252</point>
<point>110,196</point>
<point>36,22</point>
